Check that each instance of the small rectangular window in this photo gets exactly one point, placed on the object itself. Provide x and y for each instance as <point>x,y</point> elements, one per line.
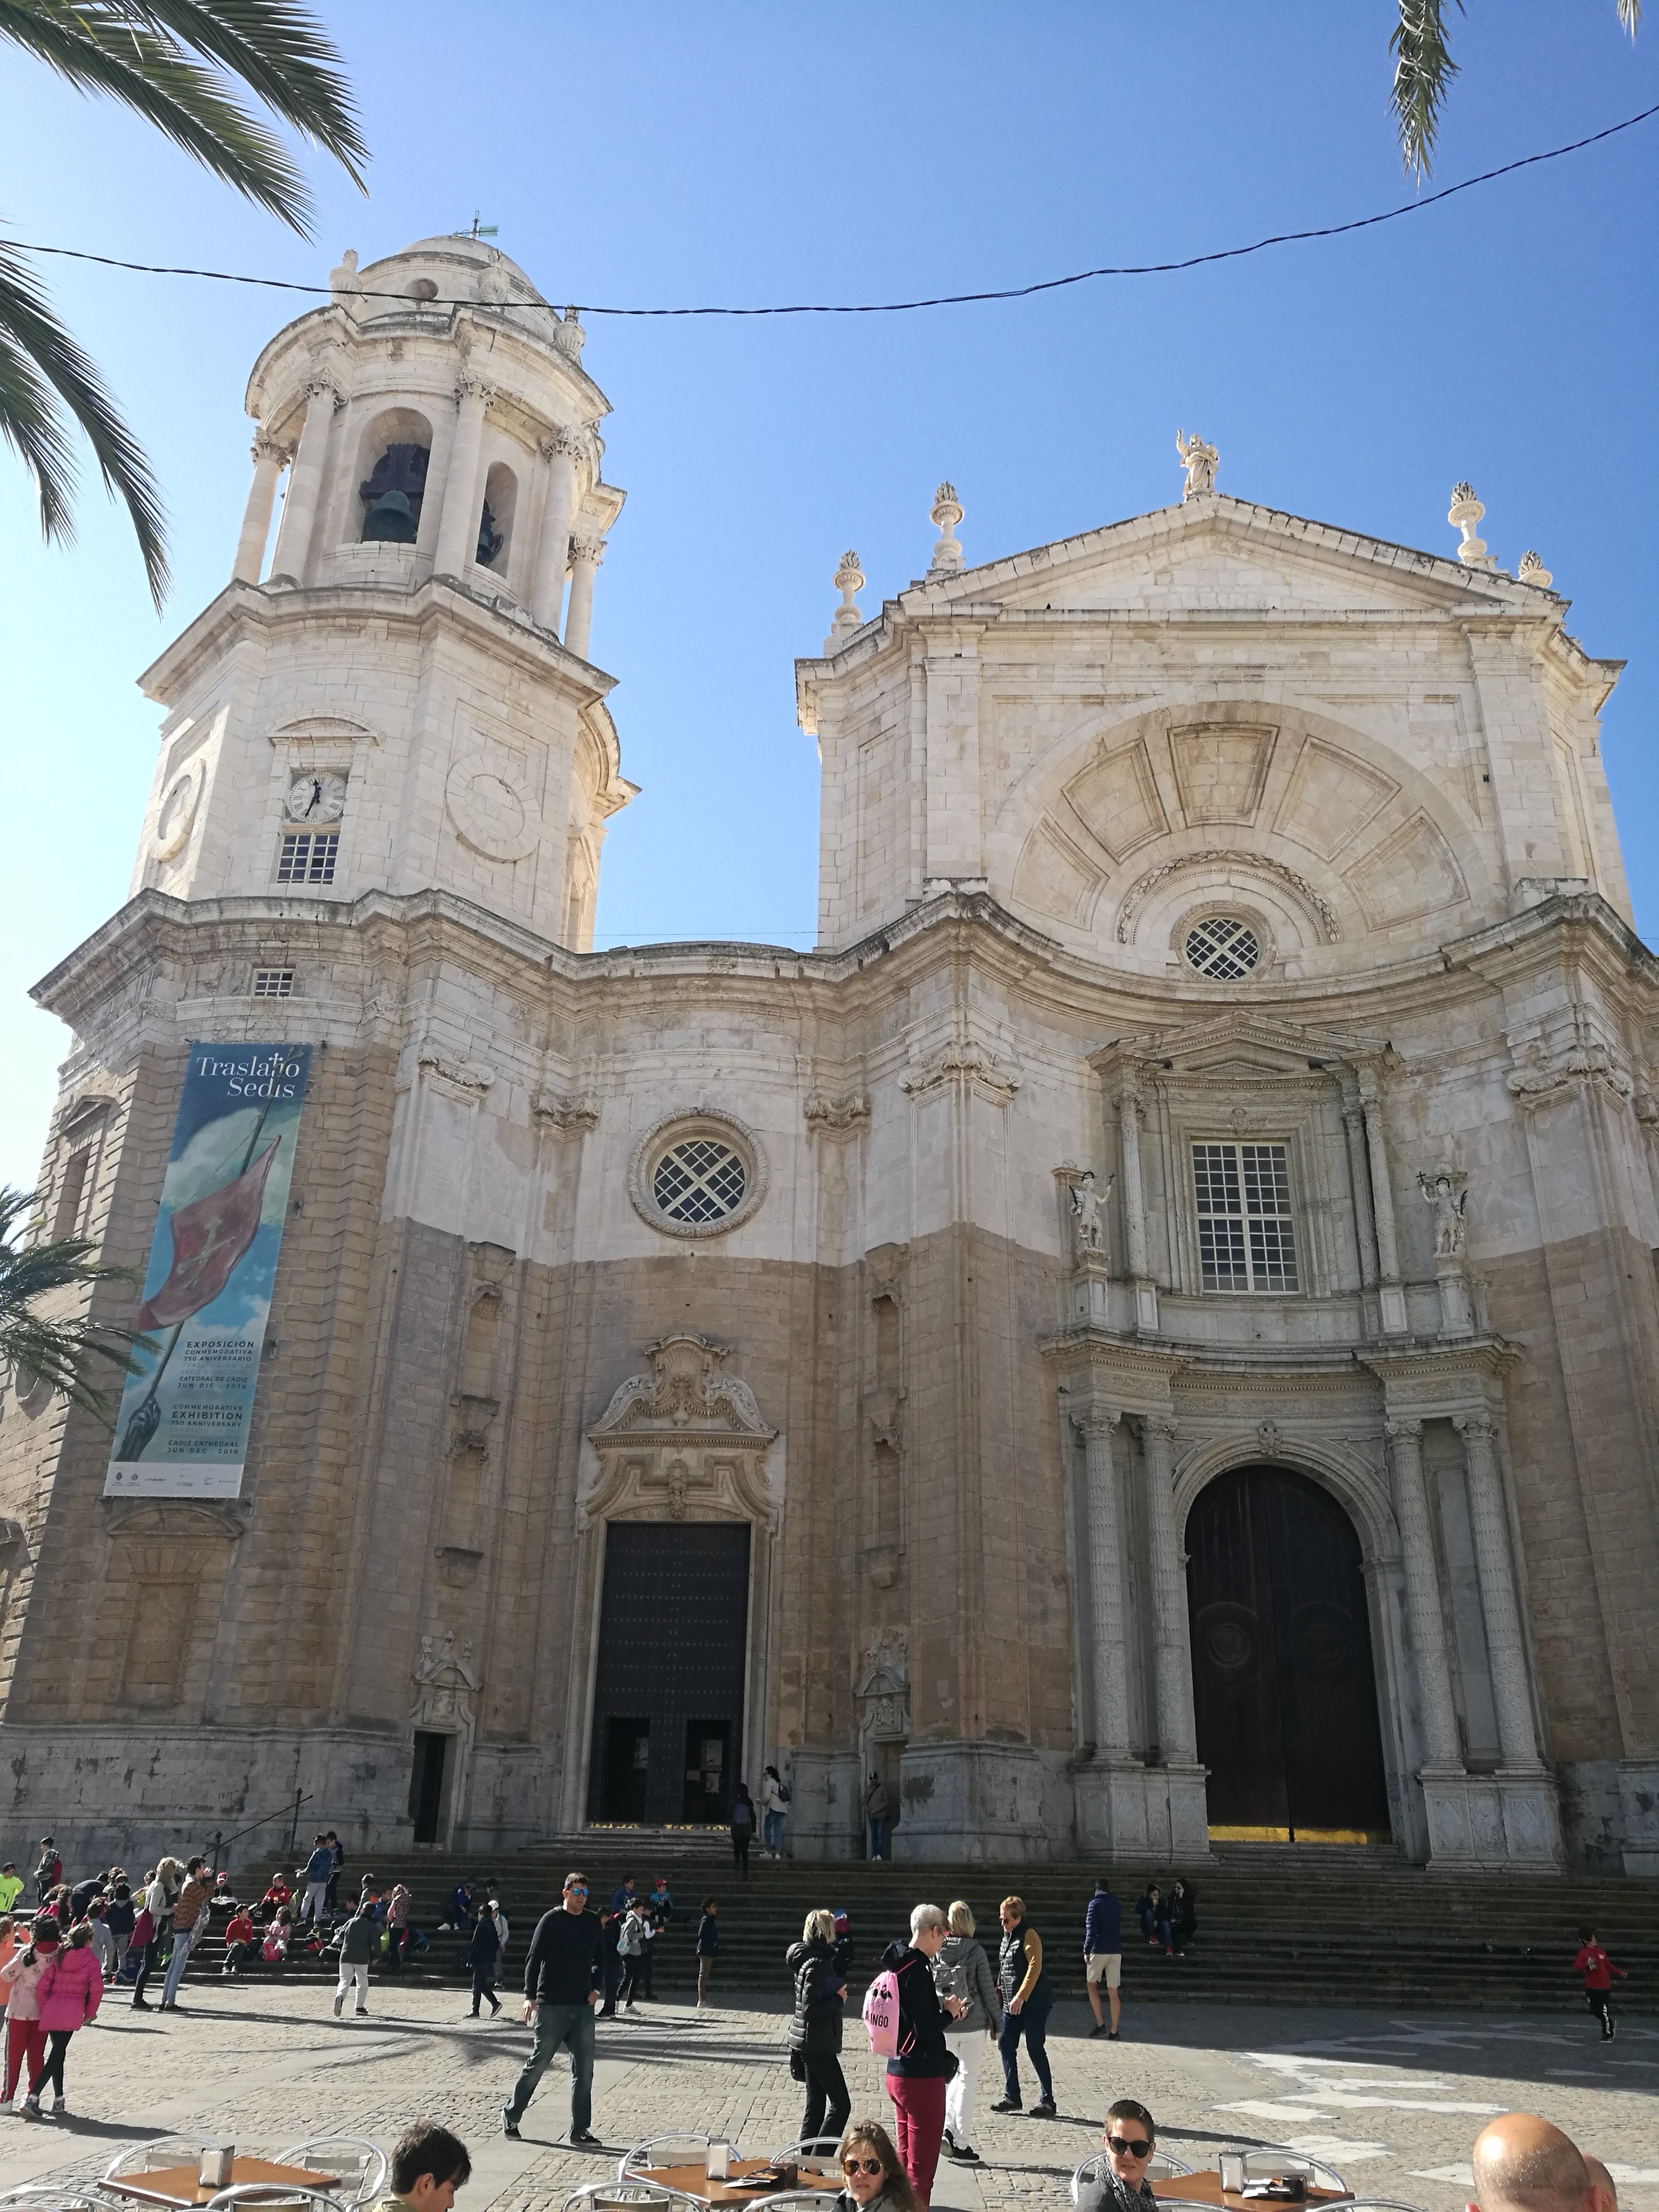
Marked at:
<point>273,982</point>
<point>307,856</point>
<point>1246,1237</point>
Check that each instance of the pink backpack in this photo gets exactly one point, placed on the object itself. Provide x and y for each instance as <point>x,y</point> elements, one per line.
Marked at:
<point>881,2016</point>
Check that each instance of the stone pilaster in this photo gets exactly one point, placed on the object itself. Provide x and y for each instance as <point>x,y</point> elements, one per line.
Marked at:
<point>458,532</point>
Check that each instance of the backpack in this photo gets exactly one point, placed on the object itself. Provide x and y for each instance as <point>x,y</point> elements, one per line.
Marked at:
<point>881,2017</point>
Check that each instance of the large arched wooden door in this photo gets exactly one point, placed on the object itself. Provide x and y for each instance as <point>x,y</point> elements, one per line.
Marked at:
<point>1283,1680</point>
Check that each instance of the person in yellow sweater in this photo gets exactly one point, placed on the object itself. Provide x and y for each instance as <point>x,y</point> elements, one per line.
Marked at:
<point>1027,1995</point>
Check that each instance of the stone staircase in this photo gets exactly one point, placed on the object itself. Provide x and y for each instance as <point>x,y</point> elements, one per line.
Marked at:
<point>1297,1924</point>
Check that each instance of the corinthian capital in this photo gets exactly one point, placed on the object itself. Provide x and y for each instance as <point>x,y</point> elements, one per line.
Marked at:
<point>1478,1423</point>
<point>566,442</point>
<point>1399,1429</point>
<point>587,549</point>
<point>267,448</point>
<point>1094,1422</point>
<point>471,385</point>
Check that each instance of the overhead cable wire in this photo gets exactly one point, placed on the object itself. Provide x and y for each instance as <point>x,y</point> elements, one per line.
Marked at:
<point>890,306</point>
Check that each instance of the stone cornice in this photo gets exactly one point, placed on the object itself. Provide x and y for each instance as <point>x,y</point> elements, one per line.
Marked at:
<point>430,927</point>
<point>244,610</point>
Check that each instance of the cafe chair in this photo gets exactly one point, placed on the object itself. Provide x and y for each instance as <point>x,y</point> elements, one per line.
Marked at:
<point>666,2151</point>
<point>1368,2204</point>
<point>55,2196</point>
<point>360,2164</point>
<point>816,2151</point>
<point>1265,2165</point>
<point>630,2197</point>
<point>155,2157</point>
<point>814,2196</point>
<point>286,2194</point>
<point>1160,2167</point>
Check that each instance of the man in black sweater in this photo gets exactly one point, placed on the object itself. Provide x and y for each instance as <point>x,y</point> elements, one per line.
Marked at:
<point>562,1979</point>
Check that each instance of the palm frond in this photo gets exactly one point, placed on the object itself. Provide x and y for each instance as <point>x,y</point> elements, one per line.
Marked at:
<point>96,46</point>
<point>37,1347</point>
<point>1423,71</point>
<point>46,378</point>
<point>1630,14</point>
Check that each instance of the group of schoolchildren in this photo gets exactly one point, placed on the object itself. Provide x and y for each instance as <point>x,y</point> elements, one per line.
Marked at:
<point>629,1930</point>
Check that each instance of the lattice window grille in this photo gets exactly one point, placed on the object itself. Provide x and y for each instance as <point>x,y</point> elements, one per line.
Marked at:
<point>699,1181</point>
<point>1222,948</point>
<point>307,856</point>
<point>273,982</point>
<point>1246,1236</point>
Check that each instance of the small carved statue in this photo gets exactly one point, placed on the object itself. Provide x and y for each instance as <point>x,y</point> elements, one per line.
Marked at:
<point>1199,461</point>
<point>1086,1204</point>
<point>1447,1191</point>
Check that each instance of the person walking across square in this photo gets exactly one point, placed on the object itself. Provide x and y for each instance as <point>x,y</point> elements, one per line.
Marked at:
<point>192,1902</point>
<point>1027,1995</point>
<point>1103,1954</point>
<point>483,1955</point>
<point>69,1993</point>
<point>961,1970</point>
<point>708,1944</point>
<point>560,1989</point>
<point>357,1947</point>
<point>1598,1970</point>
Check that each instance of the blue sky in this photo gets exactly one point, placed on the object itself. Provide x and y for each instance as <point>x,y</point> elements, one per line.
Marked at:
<point>646,155</point>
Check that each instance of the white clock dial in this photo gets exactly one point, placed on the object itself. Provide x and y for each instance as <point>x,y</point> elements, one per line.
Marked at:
<point>319,797</point>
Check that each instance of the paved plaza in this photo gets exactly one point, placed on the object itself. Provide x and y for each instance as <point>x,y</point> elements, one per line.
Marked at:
<point>1394,2102</point>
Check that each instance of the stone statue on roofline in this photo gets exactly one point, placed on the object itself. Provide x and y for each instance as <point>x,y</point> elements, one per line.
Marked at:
<point>1200,462</point>
<point>1087,1204</point>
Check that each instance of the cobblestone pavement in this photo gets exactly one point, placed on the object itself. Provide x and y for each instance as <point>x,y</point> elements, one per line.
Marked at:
<point>1392,2102</point>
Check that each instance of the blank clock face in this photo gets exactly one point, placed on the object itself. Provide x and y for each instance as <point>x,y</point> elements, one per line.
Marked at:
<point>317,798</point>
<point>178,813</point>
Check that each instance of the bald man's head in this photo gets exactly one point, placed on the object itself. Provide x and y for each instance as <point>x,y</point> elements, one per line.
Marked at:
<point>1522,2164</point>
<point>1607,2196</point>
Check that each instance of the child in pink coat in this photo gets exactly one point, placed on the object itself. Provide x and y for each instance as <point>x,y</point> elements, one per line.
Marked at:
<point>69,1993</point>
<point>26,2039</point>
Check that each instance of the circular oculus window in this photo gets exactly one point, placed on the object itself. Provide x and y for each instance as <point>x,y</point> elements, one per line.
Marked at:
<point>697,1175</point>
<point>1222,948</point>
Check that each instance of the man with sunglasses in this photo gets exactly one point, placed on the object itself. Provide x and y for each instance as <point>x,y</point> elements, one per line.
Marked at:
<point>1121,2185</point>
<point>561,1982</point>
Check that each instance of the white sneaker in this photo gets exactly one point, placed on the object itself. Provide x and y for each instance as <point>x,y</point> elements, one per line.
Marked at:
<point>338,2002</point>
<point>7,2105</point>
<point>59,2109</point>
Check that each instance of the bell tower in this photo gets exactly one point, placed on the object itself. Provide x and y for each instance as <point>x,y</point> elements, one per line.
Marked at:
<point>398,697</point>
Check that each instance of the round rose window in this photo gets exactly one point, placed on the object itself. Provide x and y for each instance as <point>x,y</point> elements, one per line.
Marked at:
<point>1222,948</point>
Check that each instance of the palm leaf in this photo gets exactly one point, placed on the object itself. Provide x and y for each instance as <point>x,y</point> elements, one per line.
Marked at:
<point>45,379</point>
<point>59,1353</point>
<point>1630,14</point>
<point>97,47</point>
<point>1423,71</point>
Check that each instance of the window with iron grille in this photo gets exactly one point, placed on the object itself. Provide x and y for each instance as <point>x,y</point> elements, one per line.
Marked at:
<point>1246,1237</point>
<point>307,856</point>
<point>273,982</point>
<point>700,1180</point>
<point>1223,948</point>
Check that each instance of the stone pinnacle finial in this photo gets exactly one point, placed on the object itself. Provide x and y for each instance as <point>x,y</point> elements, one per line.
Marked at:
<point>1532,571</point>
<point>850,578</point>
<point>569,336</point>
<point>343,280</point>
<point>1464,512</point>
<point>947,512</point>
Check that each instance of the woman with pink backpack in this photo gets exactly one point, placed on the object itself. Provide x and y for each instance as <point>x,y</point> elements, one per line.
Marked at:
<point>905,2021</point>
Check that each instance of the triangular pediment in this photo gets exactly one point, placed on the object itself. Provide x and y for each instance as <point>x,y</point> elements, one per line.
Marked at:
<point>1220,554</point>
<point>1244,1047</point>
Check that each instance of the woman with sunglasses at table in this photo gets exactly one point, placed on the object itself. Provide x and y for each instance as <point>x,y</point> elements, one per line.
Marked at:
<point>1130,2139</point>
<point>873,2180</point>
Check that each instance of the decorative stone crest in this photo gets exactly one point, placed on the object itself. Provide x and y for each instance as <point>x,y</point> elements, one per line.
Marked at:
<point>837,1117</point>
<point>1200,462</point>
<point>465,1079</point>
<point>1532,571</point>
<point>1136,896</point>
<point>883,1688</point>
<point>849,581</point>
<point>572,1114</point>
<point>684,1442</point>
<point>964,1063</point>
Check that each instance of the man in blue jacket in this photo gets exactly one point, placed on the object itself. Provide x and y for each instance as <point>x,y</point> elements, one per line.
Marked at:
<point>1103,1952</point>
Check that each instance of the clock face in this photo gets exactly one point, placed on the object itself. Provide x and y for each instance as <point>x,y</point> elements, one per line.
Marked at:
<point>317,796</point>
<point>178,813</point>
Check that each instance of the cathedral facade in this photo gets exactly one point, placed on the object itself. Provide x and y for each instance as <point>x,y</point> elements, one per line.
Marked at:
<point>1148,1332</point>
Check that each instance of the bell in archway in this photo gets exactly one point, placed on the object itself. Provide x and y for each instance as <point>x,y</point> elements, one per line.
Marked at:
<point>391,520</point>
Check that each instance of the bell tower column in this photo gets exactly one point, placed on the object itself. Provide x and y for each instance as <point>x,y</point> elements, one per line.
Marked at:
<point>305,480</point>
<point>458,533</point>
<point>560,452</point>
<point>269,458</point>
<point>585,554</point>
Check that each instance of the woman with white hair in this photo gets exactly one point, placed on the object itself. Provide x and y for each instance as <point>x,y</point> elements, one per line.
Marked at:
<point>961,1970</point>
<point>917,2076</point>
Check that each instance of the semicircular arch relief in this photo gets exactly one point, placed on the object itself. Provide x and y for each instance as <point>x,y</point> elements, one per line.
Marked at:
<point>1356,1483</point>
<point>1342,837</point>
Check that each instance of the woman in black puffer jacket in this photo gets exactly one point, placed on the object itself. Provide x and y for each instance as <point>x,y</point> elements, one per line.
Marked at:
<point>815,2031</point>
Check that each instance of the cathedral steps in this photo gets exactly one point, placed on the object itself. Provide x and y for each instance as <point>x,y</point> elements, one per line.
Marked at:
<point>1315,1925</point>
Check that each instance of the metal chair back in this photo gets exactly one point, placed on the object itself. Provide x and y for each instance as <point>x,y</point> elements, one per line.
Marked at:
<point>274,2193</point>
<point>680,2149</point>
<point>630,2197</point>
<point>1160,2167</point>
<point>354,2158</point>
<point>154,2157</point>
<point>816,2151</point>
<point>1380,2204</point>
<point>54,2196</point>
<point>1263,2165</point>
<point>814,2197</point>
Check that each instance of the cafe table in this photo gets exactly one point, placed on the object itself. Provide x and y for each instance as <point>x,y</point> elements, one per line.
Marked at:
<point>693,2181</point>
<point>183,2186</point>
<point>1205,2188</point>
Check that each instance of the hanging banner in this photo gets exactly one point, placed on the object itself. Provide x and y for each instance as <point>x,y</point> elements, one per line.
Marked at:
<point>182,1429</point>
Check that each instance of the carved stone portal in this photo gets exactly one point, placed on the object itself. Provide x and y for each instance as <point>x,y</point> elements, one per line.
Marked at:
<point>685,1442</point>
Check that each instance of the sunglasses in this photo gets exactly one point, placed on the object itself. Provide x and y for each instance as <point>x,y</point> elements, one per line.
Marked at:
<point>860,2166</point>
<point>577,1889</point>
<point>1124,2147</point>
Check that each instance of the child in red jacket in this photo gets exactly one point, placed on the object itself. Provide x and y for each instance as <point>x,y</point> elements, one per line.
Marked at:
<point>1598,1970</point>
